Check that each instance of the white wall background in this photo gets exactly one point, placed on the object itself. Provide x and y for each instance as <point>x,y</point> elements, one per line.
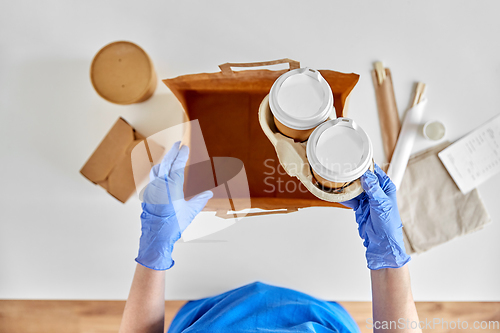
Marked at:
<point>63,238</point>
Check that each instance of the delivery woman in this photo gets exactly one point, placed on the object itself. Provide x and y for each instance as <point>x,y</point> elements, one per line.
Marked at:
<point>259,307</point>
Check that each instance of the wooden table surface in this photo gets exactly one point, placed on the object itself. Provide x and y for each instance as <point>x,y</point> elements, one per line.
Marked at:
<point>25,316</point>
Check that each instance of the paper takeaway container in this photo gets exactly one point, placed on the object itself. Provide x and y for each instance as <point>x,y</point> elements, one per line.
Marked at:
<point>110,165</point>
<point>123,73</point>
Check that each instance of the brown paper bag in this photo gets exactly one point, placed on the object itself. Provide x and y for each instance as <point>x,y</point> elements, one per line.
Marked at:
<point>226,105</point>
<point>432,208</point>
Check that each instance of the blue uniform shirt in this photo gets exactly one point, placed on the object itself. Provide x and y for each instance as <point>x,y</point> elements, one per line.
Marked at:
<point>259,307</point>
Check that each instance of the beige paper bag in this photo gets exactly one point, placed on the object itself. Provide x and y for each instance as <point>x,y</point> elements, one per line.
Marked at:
<point>432,208</point>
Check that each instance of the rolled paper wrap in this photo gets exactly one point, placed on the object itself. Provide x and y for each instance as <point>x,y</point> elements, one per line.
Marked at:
<point>404,146</point>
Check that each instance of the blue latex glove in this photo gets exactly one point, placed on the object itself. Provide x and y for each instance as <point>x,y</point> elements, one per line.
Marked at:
<point>165,213</point>
<point>378,221</point>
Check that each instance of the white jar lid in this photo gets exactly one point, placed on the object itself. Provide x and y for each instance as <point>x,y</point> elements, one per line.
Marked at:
<point>301,99</point>
<point>434,130</point>
<point>339,150</point>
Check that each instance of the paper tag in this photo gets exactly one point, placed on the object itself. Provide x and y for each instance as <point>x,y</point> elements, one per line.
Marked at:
<point>474,158</point>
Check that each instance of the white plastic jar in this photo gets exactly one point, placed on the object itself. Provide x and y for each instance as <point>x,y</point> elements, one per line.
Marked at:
<point>300,100</point>
<point>339,151</point>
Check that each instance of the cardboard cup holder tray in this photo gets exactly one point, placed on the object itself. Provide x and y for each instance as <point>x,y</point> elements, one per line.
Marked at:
<point>292,157</point>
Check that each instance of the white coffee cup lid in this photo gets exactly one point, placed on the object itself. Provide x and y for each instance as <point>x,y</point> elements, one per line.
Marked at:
<point>339,150</point>
<point>301,99</point>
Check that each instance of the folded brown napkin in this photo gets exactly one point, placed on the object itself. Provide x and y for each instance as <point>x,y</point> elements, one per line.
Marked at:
<point>432,208</point>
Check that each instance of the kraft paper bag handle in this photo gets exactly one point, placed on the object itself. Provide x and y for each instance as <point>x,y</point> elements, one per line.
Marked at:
<point>226,215</point>
<point>226,68</point>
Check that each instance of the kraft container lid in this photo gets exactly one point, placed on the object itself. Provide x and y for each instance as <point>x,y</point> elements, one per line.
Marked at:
<point>339,150</point>
<point>122,73</point>
<point>301,99</point>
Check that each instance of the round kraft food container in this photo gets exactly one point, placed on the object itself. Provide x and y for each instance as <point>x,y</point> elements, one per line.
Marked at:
<point>300,100</point>
<point>434,130</point>
<point>339,151</point>
<point>122,73</point>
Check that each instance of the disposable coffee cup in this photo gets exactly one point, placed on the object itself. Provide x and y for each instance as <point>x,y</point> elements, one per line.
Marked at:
<point>339,151</point>
<point>300,100</point>
<point>122,73</point>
